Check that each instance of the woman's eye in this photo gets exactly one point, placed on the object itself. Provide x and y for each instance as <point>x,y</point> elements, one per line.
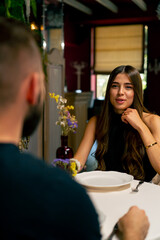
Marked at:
<point>114,85</point>
<point>129,87</point>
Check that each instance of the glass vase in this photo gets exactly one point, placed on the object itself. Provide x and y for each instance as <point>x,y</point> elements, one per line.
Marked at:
<point>64,151</point>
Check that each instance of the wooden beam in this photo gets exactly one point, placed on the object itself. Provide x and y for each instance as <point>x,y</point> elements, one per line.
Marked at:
<point>81,7</point>
<point>141,4</point>
<point>108,4</point>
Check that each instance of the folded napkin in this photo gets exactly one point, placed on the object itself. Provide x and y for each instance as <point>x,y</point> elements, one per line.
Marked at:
<point>78,164</point>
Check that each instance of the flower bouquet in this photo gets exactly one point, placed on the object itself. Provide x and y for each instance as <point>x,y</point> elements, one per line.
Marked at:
<point>67,121</point>
<point>68,165</point>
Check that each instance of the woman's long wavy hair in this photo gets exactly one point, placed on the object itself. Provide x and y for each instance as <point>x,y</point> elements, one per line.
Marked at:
<point>134,149</point>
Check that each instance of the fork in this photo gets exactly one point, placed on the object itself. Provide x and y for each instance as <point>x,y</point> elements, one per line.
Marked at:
<point>136,188</point>
<point>115,229</point>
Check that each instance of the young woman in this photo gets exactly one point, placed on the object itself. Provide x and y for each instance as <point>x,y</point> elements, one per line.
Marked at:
<point>127,134</point>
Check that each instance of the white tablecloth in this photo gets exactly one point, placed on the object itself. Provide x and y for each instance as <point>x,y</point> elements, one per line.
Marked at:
<point>115,204</point>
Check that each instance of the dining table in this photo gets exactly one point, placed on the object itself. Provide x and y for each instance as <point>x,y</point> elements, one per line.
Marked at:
<point>113,201</point>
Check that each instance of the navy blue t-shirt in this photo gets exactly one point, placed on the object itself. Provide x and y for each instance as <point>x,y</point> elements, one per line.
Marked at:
<point>38,201</point>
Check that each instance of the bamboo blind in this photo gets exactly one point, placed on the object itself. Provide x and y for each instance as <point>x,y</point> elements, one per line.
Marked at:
<point>118,45</point>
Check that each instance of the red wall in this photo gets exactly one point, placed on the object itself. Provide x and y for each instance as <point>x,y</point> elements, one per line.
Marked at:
<point>77,48</point>
<point>153,79</point>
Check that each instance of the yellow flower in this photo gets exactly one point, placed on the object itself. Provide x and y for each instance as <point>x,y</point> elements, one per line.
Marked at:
<point>56,97</point>
<point>73,118</point>
<point>70,107</point>
<point>73,168</point>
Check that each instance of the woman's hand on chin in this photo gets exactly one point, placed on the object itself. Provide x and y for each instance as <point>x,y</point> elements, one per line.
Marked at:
<point>132,117</point>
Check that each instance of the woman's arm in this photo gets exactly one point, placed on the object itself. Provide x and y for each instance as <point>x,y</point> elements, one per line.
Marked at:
<point>87,142</point>
<point>149,130</point>
<point>150,135</point>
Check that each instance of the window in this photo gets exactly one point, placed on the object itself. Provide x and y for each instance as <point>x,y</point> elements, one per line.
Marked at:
<point>102,81</point>
<point>118,45</point>
<point>114,46</point>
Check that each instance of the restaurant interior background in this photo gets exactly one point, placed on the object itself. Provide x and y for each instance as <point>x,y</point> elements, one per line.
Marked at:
<point>70,43</point>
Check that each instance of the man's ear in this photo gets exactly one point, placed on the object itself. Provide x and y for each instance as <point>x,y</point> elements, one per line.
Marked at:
<point>33,89</point>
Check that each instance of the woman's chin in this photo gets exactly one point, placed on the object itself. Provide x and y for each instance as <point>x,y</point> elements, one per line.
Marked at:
<point>119,111</point>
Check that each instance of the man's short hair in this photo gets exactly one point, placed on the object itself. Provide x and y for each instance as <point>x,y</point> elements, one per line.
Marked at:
<point>19,55</point>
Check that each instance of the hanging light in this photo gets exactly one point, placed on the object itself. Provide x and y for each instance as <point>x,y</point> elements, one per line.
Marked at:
<point>34,26</point>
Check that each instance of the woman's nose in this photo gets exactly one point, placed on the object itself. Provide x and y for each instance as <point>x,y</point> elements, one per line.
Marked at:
<point>121,90</point>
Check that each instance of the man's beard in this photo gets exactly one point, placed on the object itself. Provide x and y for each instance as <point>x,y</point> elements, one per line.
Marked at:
<point>32,119</point>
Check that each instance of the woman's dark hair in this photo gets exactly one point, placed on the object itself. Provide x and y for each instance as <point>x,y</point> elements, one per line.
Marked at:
<point>134,148</point>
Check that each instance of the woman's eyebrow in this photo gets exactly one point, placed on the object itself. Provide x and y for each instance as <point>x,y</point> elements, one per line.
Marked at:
<point>129,83</point>
<point>126,83</point>
<point>115,82</point>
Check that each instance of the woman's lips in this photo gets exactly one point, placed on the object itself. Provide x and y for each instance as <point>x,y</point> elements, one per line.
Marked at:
<point>120,101</point>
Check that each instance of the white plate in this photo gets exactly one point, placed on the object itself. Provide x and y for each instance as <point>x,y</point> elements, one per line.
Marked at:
<point>104,180</point>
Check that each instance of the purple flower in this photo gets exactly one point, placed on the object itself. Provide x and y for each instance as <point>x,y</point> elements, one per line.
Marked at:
<point>72,124</point>
<point>59,161</point>
<point>75,125</point>
<point>68,114</point>
<point>69,122</point>
<point>63,164</point>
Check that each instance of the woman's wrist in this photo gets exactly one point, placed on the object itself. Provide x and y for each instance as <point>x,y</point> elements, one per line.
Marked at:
<point>151,145</point>
<point>78,164</point>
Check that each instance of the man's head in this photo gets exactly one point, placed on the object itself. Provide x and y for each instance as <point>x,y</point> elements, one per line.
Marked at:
<point>20,70</point>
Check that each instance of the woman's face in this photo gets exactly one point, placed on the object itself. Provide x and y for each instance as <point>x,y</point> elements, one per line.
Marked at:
<point>121,93</point>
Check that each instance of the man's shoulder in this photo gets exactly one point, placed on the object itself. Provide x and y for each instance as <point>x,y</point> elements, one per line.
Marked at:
<point>48,194</point>
<point>47,175</point>
<point>24,165</point>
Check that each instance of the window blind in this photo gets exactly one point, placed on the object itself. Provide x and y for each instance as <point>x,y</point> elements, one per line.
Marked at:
<point>118,45</point>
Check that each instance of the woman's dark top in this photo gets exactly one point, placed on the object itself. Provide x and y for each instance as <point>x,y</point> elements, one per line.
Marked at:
<point>115,151</point>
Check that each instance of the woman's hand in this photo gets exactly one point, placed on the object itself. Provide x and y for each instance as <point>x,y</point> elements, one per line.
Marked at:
<point>132,117</point>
